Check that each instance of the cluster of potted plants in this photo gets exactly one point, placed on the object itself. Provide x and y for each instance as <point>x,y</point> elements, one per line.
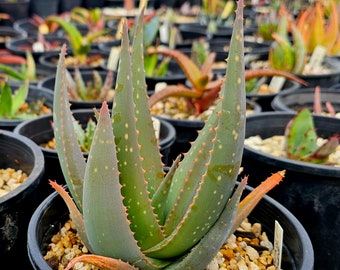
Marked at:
<point>172,197</point>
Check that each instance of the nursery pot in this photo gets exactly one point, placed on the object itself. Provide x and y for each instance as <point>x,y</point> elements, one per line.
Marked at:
<point>324,80</point>
<point>87,76</point>
<point>292,101</point>
<point>173,76</point>
<point>24,25</point>
<point>50,60</point>
<point>297,249</point>
<point>19,46</point>
<point>17,206</point>
<point>309,191</point>
<point>264,100</point>
<point>8,33</point>
<point>34,93</point>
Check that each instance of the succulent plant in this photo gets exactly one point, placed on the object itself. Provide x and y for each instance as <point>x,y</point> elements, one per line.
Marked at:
<point>13,104</point>
<point>319,25</point>
<point>93,90</point>
<point>204,87</point>
<point>126,210</point>
<point>93,18</point>
<point>301,140</point>
<point>284,54</point>
<point>215,12</point>
<point>85,135</point>
<point>80,44</point>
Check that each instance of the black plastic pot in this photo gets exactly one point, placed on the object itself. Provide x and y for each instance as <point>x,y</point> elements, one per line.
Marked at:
<point>77,104</point>
<point>40,131</point>
<point>24,25</point>
<point>19,46</point>
<point>297,251</point>
<point>309,191</point>
<point>264,100</point>
<point>8,33</point>
<point>174,76</point>
<point>34,93</point>
<point>221,47</point>
<point>292,101</point>
<point>17,206</point>
<point>192,31</point>
<point>49,60</point>
<point>187,131</point>
<point>224,31</point>
<point>324,80</point>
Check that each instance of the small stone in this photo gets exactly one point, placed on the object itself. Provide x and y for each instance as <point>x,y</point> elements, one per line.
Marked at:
<point>242,265</point>
<point>243,245</point>
<point>213,265</point>
<point>267,244</point>
<point>231,239</point>
<point>246,226</point>
<point>227,253</point>
<point>252,253</point>
<point>256,229</point>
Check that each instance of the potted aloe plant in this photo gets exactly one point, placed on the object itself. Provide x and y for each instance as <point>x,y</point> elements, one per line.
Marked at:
<point>22,102</point>
<point>87,88</point>
<point>134,217</point>
<point>188,106</point>
<point>304,46</point>
<point>19,68</point>
<point>311,188</point>
<point>81,56</point>
<point>18,154</point>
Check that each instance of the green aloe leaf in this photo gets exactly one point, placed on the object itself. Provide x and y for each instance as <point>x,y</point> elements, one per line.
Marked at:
<point>301,140</point>
<point>5,100</point>
<point>70,156</point>
<point>149,149</point>
<point>135,190</point>
<point>12,72</point>
<point>102,177</point>
<point>301,136</point>
<point>19,97</point>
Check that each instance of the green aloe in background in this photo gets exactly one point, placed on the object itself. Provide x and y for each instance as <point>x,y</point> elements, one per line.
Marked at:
<point>128,212</point>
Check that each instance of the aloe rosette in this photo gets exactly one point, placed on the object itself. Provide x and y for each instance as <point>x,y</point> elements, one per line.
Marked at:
<point>127,211</point>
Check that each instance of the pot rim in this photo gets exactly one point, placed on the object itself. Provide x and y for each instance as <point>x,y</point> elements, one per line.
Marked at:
<point>34,176</point>
<point>288,164</point>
